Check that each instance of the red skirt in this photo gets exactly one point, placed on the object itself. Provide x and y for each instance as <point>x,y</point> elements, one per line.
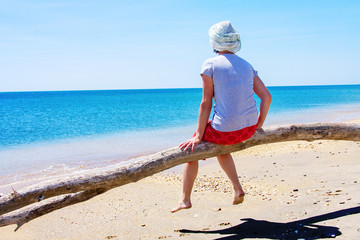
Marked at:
<point>228,138</point>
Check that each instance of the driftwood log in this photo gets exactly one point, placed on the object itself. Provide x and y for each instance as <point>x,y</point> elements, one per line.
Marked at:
<point>81,187</point>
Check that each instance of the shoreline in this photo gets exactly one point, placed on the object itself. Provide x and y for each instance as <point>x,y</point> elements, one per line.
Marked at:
<point>341,113</point>
<point>105,148</point>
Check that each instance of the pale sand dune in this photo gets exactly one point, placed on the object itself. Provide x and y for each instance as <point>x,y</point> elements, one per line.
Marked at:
<point>289,186</point>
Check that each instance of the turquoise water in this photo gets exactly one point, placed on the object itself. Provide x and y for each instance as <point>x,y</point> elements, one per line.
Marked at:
<point>48,133</point>
<point>29,117</point>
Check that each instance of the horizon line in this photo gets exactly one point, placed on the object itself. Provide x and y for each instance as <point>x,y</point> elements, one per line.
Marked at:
<point>165,88</point>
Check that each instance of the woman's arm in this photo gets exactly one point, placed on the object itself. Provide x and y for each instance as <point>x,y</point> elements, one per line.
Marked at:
<point>204,113</point>
<point>263,93</point>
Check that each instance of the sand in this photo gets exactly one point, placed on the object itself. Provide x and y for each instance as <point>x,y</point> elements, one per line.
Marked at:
<point>295,190</point>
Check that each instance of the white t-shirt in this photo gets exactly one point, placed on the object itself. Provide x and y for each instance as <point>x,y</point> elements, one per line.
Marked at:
<point>233,78</point>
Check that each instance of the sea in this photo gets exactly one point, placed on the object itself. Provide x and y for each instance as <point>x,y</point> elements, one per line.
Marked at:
<point>44,135</point>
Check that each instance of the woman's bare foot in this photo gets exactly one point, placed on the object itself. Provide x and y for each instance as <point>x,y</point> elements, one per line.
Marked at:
<point>182,205</point>
<point>239,198</point>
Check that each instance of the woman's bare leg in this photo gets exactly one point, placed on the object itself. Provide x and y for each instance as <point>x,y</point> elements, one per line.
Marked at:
<point>227,164</point>
<point>189,176</point>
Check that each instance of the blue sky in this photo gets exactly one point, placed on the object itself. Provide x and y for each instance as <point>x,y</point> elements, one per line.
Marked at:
<point>80,45</point>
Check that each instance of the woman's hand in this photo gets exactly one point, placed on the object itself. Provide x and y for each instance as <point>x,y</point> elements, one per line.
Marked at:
<point>260,131</point>
<point>192,142</point>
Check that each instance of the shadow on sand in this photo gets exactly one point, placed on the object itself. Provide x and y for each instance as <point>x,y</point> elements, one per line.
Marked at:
<point>301,229</point>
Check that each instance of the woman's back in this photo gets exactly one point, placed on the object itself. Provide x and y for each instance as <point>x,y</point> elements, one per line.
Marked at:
<point>235,107</point>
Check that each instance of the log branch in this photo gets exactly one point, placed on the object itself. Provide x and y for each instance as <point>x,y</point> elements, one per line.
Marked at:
<point>78,186</point>
<point>24,215</point>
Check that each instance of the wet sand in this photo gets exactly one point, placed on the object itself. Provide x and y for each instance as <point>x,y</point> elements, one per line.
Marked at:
<point>293,190</point>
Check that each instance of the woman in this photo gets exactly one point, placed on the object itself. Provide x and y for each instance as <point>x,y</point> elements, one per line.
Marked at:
<point>232,82</point>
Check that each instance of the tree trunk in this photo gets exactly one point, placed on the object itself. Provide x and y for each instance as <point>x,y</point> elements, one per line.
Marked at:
<point>93,182</point>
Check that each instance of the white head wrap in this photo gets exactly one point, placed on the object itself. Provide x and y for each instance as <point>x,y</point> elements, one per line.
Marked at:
<point>223,37</point>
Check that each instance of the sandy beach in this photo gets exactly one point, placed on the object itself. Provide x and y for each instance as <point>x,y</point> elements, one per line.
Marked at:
<point>294,190</point>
